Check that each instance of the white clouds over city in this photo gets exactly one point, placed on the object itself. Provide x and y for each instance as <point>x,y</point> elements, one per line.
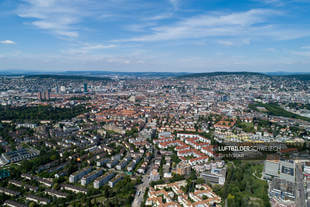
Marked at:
<point>7,42</point>
<point>167,31</point>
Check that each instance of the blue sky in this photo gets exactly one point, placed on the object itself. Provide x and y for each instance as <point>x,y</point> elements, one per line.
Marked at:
<point>155,35</point>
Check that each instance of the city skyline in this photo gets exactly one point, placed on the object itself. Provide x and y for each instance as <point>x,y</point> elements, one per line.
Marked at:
<point>157,36</point>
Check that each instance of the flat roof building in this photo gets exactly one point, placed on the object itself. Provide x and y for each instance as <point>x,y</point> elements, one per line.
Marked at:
<point>115,180</point>
<point>102,180</point>
<point>79,174</point>
<point>86,179</point>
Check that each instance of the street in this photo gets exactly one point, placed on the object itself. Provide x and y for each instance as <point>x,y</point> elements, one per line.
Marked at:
<point>143,186</point>
<point>300,189</point>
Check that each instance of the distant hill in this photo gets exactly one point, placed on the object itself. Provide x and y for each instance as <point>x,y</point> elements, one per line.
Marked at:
<point>302,77</point>
<point>211,74</point>
<point>94,73</point>
<point>280,73</point>
<point>104,75</point>
<point>296,75</point>
<point>69,77</point>
<point>131,74</point>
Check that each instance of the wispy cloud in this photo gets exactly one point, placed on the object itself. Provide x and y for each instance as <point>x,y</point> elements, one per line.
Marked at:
<point>66,17</point>
<point>234,42</point>
<point>274,2</point>
<point>282,3</point>
<point>97,46</point>
<point>271,49</point>
<point>142,27</point>
<point>301,53</point>
<point>7,42</point>
<point>207,25</point>
<point>304,51</point>
<point>88,48</point>
<point>160,16</point>
<point>175,3</point>
<point>58,17</point>
<point>225,42</point>
<point>247,24</point>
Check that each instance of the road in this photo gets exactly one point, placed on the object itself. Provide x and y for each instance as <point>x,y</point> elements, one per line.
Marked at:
<point>308,201</point>
<point>300,189</point>
<point>143,186</point>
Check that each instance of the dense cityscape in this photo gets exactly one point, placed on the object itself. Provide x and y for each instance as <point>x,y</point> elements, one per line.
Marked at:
<point>154,103</point>
<point>119,140</point>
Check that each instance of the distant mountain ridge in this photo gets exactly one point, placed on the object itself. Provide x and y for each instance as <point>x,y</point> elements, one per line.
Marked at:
<point>69,77</point>
<point>108,74</point>
<point>94,73</point>
<point>137,74</point>
<point>298,76</point>
<point>283,73</point>
<point>194,75</point>
<point>302,77</point>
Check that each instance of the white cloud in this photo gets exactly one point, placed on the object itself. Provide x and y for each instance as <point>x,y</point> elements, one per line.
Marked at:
<point>160,16</point>
<point>234,42</point>
<point>59,17</point>
<point>277,2</point>
<point>87,48</point>
<point>175,3</point>
<point>7,42</point>
<point>140,27</point>
<point>225,42</point>
<point>246,41</point>
<point>144,61</point>
<point>98,46</point>
<point>251,24</point>
<point>209,25</point>
<point>271,49</point>
<point>282,3</point>
<point>65,17</point>
<point>74,62</point>
<point>304,53</point>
